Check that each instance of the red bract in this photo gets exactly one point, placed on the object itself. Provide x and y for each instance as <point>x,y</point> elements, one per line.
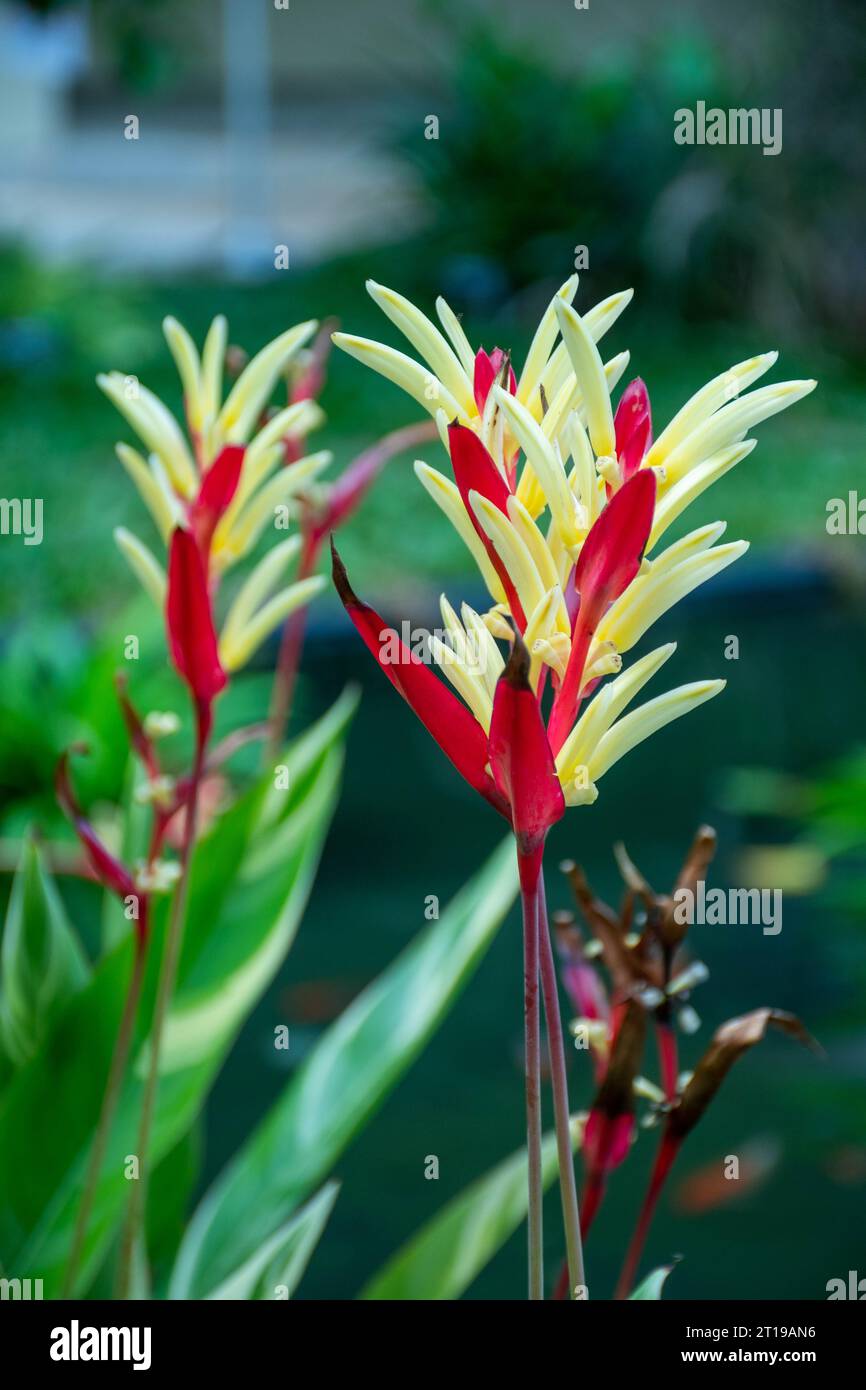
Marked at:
<point>191,635</point>
<point>520,757</point>
<point>609,559</point>
<point>107,870</point>
<point>218,487</point>
<point>138,738</point>
<point>475,471</point>
<point>454,728</point>
<point>489,366</point>
<point>353,484</point>
<point>633,427</point>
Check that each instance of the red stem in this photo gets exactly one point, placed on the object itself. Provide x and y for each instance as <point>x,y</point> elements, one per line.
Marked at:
<point>529,866</point>
<point>667,1152</point>
<point>137,1205</point>
<point>556,1049</point>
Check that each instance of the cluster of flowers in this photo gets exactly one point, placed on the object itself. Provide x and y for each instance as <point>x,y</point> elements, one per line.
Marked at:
<point>563,505</point>
<point>643,948</point>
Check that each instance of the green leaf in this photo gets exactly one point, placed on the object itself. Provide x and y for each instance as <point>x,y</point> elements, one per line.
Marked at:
<point>651,1287</point>
<point>169,1197</point>
<point>279,1264</point>
<point>443,1258</point>
<point>350,1071</point>
<point>42,963</point>
<point>250,879</point>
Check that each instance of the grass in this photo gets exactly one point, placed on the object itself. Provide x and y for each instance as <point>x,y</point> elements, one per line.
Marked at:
<point>57,432</point>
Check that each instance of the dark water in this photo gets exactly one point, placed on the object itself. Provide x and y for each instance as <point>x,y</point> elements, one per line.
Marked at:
<point>406,828</point>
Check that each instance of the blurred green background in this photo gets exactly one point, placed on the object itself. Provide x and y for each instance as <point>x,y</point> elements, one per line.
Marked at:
<point>555,132</point>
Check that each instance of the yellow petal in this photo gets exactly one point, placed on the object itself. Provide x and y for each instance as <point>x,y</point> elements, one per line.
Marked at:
<point>607,705</point>
<point>459,341</point>
<point>471,687</point>
<point>633,728</point>
<point>705,402</point>
<point>149,489</point>
<point>185,355</point>
<point>237,651</point>
<point>511,550</point>
<point>420,383</point>
<point>236,535</point>
<point>649,596</point>
<point>426,339</point>
<point>546,464</point>
<point>542,343</point>
<point>447,497</point>
<point>674,501</point>
<point>253,387</point>
<point>156,426</point>
<point>259,586</point>
<point>143,563</point>
<point>212,363</point>
<point>729,424</point>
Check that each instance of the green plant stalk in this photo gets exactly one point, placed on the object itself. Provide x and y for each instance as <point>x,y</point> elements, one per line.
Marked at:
<point>556,1049</point>
<point>529,866</point>
<point>137,1205</point>
<point>110,1099</point>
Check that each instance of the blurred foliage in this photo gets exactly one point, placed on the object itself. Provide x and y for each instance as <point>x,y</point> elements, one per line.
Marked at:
<point>807,836</point>
<point>536,158</point>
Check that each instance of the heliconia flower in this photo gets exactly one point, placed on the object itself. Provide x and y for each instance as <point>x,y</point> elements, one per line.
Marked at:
<point>189,622</point>
<point>179,479</point>
<point>107,869</point>
<point>226,485</point>
<point>583,586</point>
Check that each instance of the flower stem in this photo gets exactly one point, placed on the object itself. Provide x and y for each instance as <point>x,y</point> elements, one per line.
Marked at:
<point>108,1109</point>
<point>137,1205</point>
<point>667,1152</point>
<point>556,1048</point>
<point>529,866</point>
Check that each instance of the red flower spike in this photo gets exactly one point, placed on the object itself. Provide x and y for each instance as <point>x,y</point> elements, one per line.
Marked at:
<point>140,742</point>
<point>107,870</point>
<point>191,635</point>
<point>609,560</point>
<point>450,723</point>
<point>633,427</point>
<point>353,484</point>
<point>218,487</point>
<point>488,366</point>
<point>475,471</point>
<point>520,757</point>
